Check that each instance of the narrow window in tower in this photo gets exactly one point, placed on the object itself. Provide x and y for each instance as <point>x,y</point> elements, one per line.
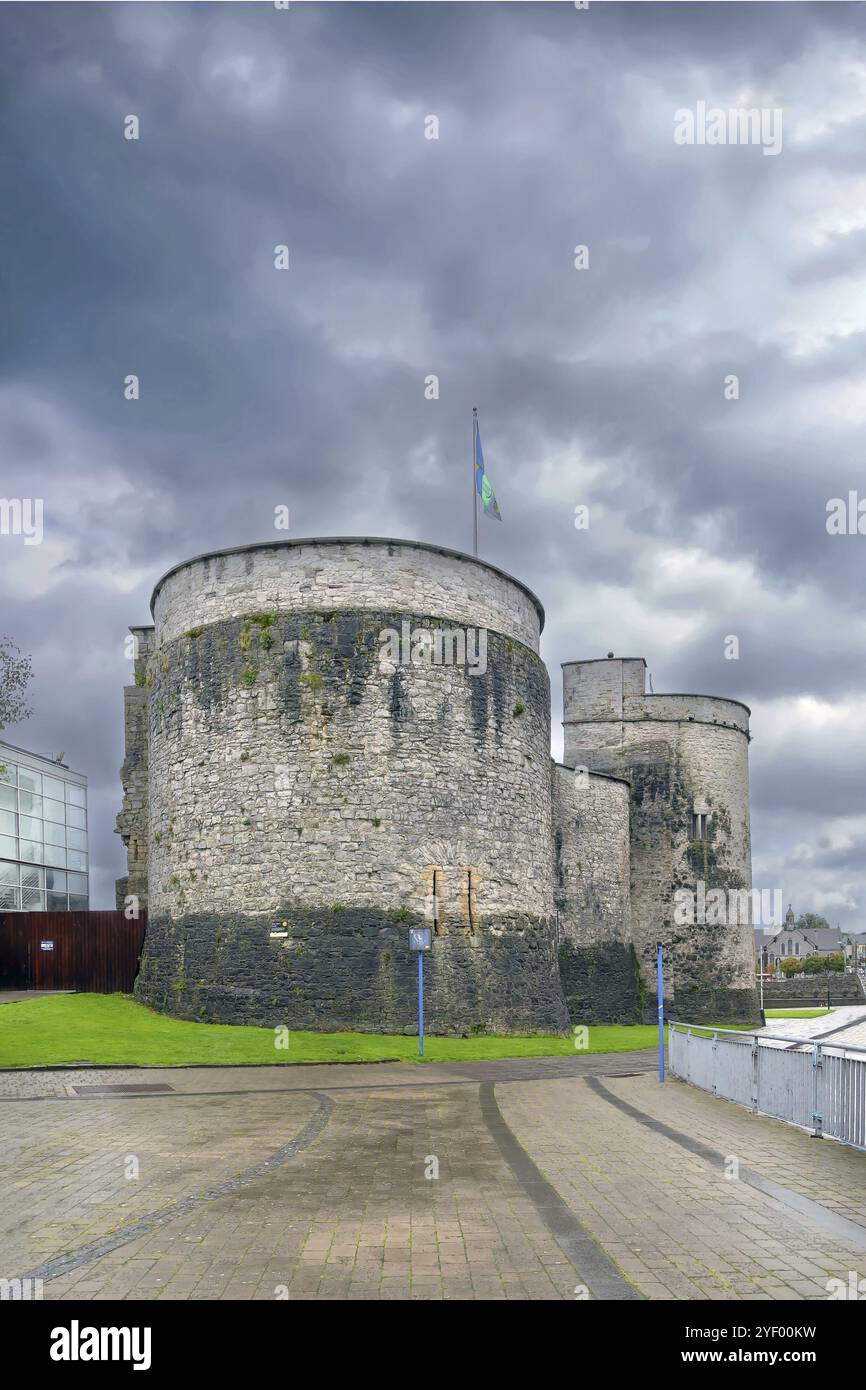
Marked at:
<point>469,900</point>
<point>435,903</point>
<point>699,825</point>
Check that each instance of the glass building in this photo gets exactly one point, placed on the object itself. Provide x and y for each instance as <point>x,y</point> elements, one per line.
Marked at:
<point>43,834</point>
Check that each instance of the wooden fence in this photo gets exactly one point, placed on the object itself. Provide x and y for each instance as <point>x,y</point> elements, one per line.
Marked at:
<point>92,951</point>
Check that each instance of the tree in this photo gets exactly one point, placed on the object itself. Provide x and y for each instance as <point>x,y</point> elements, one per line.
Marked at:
<point>791,965</point>
<point>820,965</point>
<point>810,921</point>
<point>16,671</point>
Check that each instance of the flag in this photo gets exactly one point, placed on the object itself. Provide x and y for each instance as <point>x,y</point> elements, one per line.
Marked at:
<point>483,485</point>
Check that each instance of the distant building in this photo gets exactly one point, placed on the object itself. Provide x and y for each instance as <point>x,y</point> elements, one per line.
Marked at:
<point>765,947</point>
<point>43,834</point>
<point>855,947</point>
<point>793,942</point>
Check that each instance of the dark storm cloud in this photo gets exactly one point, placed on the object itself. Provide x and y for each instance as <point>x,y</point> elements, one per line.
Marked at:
<point>410,257</point>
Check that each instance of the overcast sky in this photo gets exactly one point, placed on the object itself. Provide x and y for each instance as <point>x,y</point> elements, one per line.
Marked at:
<point>453,256</point>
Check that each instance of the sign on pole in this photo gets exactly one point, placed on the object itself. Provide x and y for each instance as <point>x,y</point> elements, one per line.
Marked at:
<point>420,940</point>
<point>661,999</point>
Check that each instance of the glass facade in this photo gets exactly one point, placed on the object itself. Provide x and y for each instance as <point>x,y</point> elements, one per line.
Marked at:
<point>43,838</point>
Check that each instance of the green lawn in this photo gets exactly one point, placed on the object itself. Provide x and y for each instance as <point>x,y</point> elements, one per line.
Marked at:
<point>104,1028</point>
<point>796,1013</point>
<point>706,1031</point>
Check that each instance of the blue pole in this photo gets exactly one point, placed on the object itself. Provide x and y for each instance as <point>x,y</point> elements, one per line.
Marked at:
<point>420,1003</point>
<point>661,994</point>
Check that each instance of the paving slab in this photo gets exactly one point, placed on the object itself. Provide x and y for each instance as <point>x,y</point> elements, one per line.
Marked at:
<point>844,1026</point>
<point>535,1178</point>
<point>685,1220</point>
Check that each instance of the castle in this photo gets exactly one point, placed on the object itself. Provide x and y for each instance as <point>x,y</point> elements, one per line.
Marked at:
<point>299,789</point>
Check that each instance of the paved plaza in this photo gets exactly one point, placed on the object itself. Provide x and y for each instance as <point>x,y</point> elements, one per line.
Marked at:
<point>844,1026</point>
<point>525,1179</point>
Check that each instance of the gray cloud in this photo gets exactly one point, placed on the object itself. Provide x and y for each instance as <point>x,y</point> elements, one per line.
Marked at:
<point>451,257</point>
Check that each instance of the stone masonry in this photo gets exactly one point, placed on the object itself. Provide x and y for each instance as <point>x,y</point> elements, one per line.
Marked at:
<point>303,782</point>
<point>597,963</point>
<point>686,758</point>
<point>132,820</point>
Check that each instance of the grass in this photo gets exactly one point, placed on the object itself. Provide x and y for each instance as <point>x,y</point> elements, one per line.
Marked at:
<point>796,1013</point>
<point>113,1028</point>
<point>706,1032</point>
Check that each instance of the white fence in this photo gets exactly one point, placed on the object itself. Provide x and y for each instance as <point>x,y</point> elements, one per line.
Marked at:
<point>819,1086</point>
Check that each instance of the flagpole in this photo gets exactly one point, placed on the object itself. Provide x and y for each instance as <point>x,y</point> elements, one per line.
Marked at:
<point>474,485</point>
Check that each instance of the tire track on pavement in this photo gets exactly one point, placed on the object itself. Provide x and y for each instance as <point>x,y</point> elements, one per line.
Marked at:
<point>144,1225</point>
<point>829,1221</point>
<point>592,1265</point>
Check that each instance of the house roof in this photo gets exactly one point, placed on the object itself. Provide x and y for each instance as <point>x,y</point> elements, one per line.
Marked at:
<point>764,936</point>
<point>824,938</point>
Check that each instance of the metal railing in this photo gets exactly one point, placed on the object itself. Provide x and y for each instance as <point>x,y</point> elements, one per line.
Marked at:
<point>819,1086</point>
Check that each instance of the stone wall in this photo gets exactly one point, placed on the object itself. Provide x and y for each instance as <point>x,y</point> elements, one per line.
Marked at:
<point>328,576</point>
<point>296,775</point>
<point>350,968</point>
<point>132,818</point>
<point>285,759</point>
<point>678,752</point>
<point>598,966</point>
<point>844,989</point>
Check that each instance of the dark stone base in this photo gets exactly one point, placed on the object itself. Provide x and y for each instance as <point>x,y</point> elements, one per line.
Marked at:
<point>352,970</point>
<point>710,1006</point>
<point>601,983</point>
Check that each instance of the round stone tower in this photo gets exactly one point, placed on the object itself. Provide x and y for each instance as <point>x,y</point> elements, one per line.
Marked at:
<point>686,757</point>
<point>348,737</point>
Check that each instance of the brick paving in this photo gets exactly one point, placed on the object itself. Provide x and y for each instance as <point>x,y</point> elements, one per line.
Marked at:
<point>352,1213</point>
<point>63,1170</point>
<point>17,1084</point>
<point>674,1222</point>
<point>820,1169</point>
<point>844,1026</point>
<point>354,1217</point>
<point>20,996</point>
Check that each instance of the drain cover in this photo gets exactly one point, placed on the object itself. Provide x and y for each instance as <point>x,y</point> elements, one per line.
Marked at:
<point>128,1090</point>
